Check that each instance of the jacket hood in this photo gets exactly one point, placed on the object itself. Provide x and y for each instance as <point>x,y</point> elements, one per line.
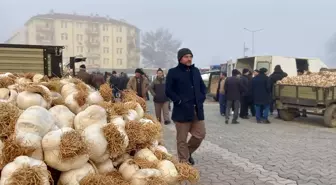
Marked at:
<point>277,69</point>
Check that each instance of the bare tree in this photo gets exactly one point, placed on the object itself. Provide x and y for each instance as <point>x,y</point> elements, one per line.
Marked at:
<point>331,50</point>
<point>159,48</point>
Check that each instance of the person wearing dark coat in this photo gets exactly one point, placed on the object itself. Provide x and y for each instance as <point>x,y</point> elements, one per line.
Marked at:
<point>98,80</point>
<point>186,89</point>
<point>244,99</point>
<point>83,75</point>
<point>261,92</point>
<point>123,80</point>
<point>276,76</point>
<point>114,81</point>
<point>250,98</point>
<point>161,101</point>
<point>234,88</point>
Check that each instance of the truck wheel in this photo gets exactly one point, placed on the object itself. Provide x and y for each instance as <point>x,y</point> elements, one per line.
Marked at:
<point>287,115</point>
<point>330,116</point>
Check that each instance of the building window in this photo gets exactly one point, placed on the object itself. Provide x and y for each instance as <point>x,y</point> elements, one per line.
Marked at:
<point>106,61</point>
<point>64,24</point>
<point>119,29</point>
<point>119,39</point>
<point>105,39</point>
<point>106,50</point>
<point>119,50</point>
<point>64,36</point>
<point>91,39</point>
<point>79,37</point>
<point>79,25</point>
<point>80,49</point>
<point>105,27</point>
<point>47,25</point>
<point>119,62</point>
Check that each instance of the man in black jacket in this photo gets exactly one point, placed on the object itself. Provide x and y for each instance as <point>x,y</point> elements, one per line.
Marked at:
<point>234,88</point>
<point>261,92</point>
<point>185,87</point>
<point>244,101</point>
<point>114,81</point>
<point>276,76</point>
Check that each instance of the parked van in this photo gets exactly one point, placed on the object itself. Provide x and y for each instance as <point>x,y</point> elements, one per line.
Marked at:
<point>290,65</point>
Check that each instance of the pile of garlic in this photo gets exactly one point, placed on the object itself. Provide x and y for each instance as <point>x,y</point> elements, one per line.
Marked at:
<point>62,131</point>
<point>320,79</point>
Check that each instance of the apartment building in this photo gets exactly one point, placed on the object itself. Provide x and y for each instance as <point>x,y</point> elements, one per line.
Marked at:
<point>107,43</point>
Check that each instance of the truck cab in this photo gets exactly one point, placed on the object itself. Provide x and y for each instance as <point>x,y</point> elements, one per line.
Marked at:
<point>228,67</point>
<point>290,65</point>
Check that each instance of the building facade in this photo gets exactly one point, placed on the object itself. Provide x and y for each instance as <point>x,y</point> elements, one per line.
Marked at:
<point>107,43</point>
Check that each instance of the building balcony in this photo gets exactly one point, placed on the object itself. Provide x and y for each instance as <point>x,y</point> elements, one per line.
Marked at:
<point>43,39</point>
<point>92,31</point>
<point>44,29</point>
<point>93,55</point>
<point>91,44</point>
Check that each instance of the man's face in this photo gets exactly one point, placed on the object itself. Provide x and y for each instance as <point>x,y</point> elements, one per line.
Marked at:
<point>137,74</point>
<point>187,60</point>
<point>159,74</point>
<point>255,73</point>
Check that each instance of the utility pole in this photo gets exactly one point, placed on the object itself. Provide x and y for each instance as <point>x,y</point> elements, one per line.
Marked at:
<point>244,50</point>
<point>253,32</point>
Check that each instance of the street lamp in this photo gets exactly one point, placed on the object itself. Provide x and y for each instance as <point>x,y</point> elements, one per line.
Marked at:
<point>253,31</point>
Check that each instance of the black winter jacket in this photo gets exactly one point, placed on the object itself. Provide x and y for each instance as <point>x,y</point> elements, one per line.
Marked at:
<point>185,87</point>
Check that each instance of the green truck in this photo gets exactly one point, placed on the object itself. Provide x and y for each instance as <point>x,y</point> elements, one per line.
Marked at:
<point>292,99</point>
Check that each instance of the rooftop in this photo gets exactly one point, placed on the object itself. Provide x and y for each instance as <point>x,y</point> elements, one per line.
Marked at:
<point>88,18</point>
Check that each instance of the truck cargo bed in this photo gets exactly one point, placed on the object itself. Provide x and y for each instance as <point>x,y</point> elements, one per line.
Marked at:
<point>17,58</point>
<point>304,95</point>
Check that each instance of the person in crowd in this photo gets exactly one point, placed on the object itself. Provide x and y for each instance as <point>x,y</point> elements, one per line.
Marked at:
<point>261,91</point>
<point>144,75</point>
<point>98,80</point>
<point>221,94</point>
<point>277,75</point>
<point>250,98</point>
<point>83,75</point>
<point>244,99</point>
<point>186,89</point>
<point>123,80</point>
<point>300,72</point>
<point>161,101</point>
<point>107,76</point>
<point>139,84</point>
<point>233,88</point>
<point>255,72</point>
<point>114,82</point>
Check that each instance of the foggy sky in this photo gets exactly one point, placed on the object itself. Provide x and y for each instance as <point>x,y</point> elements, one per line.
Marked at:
<point>211,29</point>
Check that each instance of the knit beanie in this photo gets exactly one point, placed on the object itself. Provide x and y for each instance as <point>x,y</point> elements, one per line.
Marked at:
<point>245,71</point>
<point>235,72</point>
<point>263,70</point>
<point>138,70</point>
<point>182,52</point>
